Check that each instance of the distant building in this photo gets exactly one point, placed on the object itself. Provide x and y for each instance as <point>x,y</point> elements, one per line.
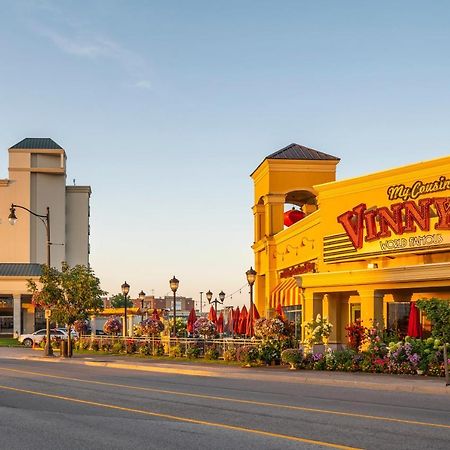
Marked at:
<point>37,180</point>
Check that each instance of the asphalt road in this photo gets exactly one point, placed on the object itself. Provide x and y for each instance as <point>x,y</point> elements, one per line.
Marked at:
<point>66,406</point>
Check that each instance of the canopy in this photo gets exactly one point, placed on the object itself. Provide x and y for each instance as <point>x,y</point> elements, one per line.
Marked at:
<point>191,320</point>
<point>414,327</point>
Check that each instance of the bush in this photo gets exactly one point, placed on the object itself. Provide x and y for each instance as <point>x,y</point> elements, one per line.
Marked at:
<point>94,345</point>
<point>158,349</point>
<point>229,354</point>
<point>270,351</point>
<point>247,354</point>
<point>117,347</point>
<point>193,352</point>
<point>292,356</point>
<point>131,346</point>
<point>176,351</point>
<point>144,349</point>
<point>212,353</point>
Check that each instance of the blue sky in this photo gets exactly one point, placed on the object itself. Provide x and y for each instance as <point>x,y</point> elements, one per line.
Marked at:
<point>166,107</point>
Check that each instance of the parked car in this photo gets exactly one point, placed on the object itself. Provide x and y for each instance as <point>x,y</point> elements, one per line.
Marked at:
<point>38,336</point>
<point>73,334</point>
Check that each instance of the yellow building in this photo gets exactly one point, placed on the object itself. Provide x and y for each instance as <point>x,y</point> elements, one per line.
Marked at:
<point>366,247</point>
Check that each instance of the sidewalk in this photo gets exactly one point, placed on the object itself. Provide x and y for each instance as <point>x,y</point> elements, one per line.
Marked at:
<point>382,382</point>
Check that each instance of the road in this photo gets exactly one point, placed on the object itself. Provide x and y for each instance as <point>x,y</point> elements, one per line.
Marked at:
<point>67,406</point>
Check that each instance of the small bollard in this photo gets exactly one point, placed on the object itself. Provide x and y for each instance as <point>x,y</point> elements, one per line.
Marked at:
<point>63,349</point>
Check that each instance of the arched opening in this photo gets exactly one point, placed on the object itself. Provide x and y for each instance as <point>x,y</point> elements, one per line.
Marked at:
<point>303,200</point>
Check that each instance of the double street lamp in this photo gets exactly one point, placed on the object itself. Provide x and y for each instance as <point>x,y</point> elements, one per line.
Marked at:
<point>174,286</point>
<point>209,296</point>
<point>251,277</point>
<point>125,290</point>
<point>45,219</point>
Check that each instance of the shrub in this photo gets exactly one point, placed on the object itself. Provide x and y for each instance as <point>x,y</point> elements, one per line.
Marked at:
<point>130,345</point>
<point>94,345</point>
<point>117,347</point>
<point>158,349</point>
<point>247,354</point>
<point>212,353</point>
<point>356,335</point>
<point>193,352</point>
<point>144,348</point>
<point>292,356</point>
<point>229,354</point>
<point>176,351</point>
<point>269,351</point>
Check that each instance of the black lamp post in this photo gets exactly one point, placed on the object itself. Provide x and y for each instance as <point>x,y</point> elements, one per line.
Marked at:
<point>251,277</point>
<point>125,289</point>
<point>209,296</point>
<point>174,286</point>
<point>45,219</point>
<point>142,298</point>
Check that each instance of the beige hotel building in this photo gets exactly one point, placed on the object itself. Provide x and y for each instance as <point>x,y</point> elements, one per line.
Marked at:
<point>37,180</point>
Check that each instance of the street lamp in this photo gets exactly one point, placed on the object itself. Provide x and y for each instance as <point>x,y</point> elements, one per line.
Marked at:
<point>209,296</point>
<point>174,286</point>
<point>142,298</point>
<point>125,289</point>
<point>45,219</point>
<point>251,277</point>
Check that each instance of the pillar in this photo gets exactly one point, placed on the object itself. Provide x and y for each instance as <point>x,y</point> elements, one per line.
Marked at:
<point>329,307</point>
<point>274,213</point>
<point>258,221</point>
<point>371,307</point>
<point>17,315</point>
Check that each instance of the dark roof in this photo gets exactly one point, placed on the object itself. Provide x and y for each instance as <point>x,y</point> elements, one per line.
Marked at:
<point>295,151</point>
<point>37,143</point>
<point>20,270</point>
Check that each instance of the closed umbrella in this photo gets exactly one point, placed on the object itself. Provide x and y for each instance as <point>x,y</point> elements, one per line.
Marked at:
<point>191,320</point>
<point>243,321</point>
<point>279,311</point>
<point>414,328</point>
<point>229,325</point>
<point>251,323</point>
<point>236,317</point>
<point>212,316</point>
<point>155,315</point>
<point>220,323</point>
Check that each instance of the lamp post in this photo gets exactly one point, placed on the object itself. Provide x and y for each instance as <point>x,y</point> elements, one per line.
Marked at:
<point>251,277</point>
<point>125,290</point>
<point>209,296</point>
<point>174,286</point>
<point>142,298</point>
<point>45,219</point>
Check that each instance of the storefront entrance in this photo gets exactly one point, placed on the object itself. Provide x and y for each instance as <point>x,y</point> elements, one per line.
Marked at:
<point>6,316</point>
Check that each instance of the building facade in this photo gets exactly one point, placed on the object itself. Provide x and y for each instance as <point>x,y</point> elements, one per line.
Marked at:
<point>365,247</point>
<point>37,181</point>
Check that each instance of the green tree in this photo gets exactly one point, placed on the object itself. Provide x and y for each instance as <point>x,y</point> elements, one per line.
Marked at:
<point>118,301</point>
<point>71,294</point>
<point>438,312</point>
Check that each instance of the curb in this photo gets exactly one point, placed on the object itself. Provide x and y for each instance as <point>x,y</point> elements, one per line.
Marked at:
<point>281,377</point>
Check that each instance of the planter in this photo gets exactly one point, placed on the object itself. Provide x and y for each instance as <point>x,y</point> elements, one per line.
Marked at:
<point>292,366</point>
<point>319,348</point>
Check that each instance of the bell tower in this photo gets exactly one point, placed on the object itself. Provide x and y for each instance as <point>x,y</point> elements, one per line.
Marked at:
<point>285,177</point>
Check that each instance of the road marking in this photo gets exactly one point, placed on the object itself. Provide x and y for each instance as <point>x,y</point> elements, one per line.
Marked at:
<point>235,400</point>
<point>181,419</point>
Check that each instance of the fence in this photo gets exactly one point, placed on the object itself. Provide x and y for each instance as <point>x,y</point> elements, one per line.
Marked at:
<point>160,346</point>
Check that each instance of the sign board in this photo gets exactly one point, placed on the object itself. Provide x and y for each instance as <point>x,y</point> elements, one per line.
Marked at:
<point>48,313</point>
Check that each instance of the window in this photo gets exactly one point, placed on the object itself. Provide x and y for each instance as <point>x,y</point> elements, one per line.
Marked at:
<point>355,312</point>
<point>398,317</point>
<point>294,314</point>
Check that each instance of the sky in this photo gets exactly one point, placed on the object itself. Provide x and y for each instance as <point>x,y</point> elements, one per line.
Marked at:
<point>165,108</point>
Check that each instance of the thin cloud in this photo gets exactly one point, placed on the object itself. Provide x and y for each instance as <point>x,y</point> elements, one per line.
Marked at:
<point>143,84</point>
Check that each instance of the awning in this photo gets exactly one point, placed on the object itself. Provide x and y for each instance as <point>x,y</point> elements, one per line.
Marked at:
<point>286,293</point>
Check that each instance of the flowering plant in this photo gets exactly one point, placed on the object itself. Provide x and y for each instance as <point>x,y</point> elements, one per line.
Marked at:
<point>151,327</point>
<point>356,335</point>
<point>270,328</point>
<point>204,327</point>
<point>112,326</point>
<point>80,326</point>
<point>317,330</point>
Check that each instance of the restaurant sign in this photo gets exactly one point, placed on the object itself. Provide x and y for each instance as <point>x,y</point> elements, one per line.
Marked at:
<point>419,221</point>
<point>298,269</point>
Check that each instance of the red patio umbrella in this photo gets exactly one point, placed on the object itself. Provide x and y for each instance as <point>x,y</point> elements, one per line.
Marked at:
<point>256,315</point>
<point>212,316</point>
<point>220,323</point>
<point>414,328</point>
<point>236,316</point>
<point>191,320</point>
<point>279,311</point>
<point>230,324</point>
<point>243,321</point>
<point>250,326</point>
<point>155,315</point>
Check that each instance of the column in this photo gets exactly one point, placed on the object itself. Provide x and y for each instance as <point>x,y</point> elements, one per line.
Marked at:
<point>17,315</point>
<point>329,306</point>
<point>371,307</point>
<point>274,210</point>
<point>258,218</point>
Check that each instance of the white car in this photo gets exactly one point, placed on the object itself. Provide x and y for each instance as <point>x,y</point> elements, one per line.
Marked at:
<point>38,336</point>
